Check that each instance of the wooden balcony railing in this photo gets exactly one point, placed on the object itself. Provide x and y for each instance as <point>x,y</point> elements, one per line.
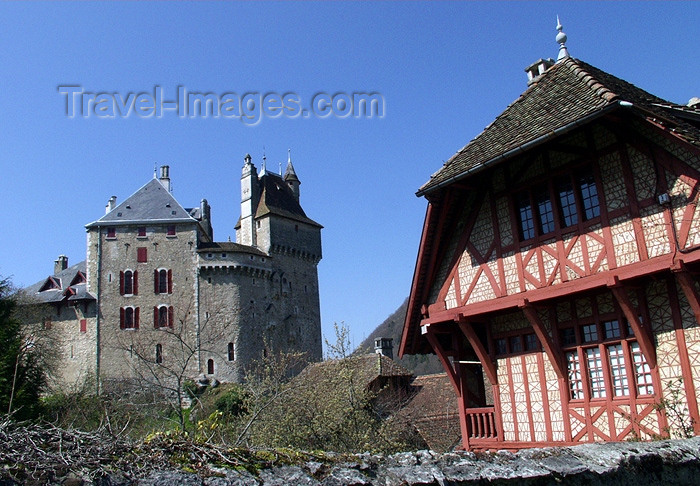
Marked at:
<point>481,423</point>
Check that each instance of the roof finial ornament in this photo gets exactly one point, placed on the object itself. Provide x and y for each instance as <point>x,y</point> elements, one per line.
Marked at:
<point>262,171</point>
<point>289,156</point>
<point>561,40</point>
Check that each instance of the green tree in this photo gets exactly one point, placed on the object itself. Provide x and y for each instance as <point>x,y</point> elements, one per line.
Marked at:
<point>22,377</point>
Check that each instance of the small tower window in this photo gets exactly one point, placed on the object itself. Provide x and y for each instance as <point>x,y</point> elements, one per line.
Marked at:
<point>171,229</point>
<point>210,366</point>
<point>159,353</point>
<point>231,354</point>
<point>111,232</point>
<point>141,231</point>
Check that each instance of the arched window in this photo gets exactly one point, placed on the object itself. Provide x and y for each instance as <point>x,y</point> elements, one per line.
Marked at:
<point>231,354</point>
<point>163,281</point>
<point>159,353</point>
<point>128,282</point>
<point>129,318</point>
<point>163,316</point>
<point>210,366</point>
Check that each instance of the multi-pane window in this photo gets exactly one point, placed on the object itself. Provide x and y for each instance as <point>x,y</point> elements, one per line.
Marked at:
<point>573,366</point>
<point>544,210</point>
<point>516,344</point>
<point>604,361</point>
<point>642,371</point>
<point>590,333</point>
<point>589,196</point>
<point>567,202</point>
<point>128,282</point>
<point>141,231</point>
<point>171,230</point>
<point>611,329</point>
<point>501,347</point>
<point>618,370</point>
<point>575,200</point>
<point>526,217</point>
<point>531,342</point>
<point>596,374</point>
<point>111,232</point>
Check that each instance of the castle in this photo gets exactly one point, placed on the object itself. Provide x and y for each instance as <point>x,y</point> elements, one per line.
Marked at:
<point>159,299</point>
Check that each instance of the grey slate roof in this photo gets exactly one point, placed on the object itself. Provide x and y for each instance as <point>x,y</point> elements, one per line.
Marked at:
<point>65,290</point>
<point>229,247</point>
<point>151,203</point>
<point>569,92</point>
<point>277,198</point>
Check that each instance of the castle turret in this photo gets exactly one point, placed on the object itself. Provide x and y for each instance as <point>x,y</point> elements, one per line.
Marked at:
<point>290,176</point>
<point>250,196</point>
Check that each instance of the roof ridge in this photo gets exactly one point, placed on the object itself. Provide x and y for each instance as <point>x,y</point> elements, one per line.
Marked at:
<point>591,81</point>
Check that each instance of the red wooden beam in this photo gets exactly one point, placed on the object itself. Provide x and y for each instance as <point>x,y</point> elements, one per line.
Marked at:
<point>544,338</point>
<point>481,353</point>
<point>686,283</point>
<point>442,356</point>
<point>641,331</point>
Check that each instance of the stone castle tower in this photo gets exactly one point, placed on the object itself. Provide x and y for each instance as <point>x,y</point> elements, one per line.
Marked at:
<point>160,296</point>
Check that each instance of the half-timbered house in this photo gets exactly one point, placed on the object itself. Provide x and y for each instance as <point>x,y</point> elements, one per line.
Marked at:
<point>556,275</point>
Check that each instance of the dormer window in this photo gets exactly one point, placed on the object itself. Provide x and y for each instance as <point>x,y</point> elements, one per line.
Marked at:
<point>50,284</point>
<point>78,279</point>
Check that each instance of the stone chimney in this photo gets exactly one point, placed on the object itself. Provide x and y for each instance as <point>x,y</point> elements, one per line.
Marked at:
<point>111,204</point>
<point>205,215</point>
<point>537,68</point>
<point>165,176</point>
<point>385,347</point>
<point>60,264</point>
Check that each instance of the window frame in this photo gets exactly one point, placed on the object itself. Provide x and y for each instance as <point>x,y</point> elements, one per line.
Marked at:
<point>616,374</point>
<point>552,220</point>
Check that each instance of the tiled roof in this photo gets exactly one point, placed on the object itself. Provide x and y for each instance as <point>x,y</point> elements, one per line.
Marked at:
<point>277,198</point>
<point>365,369</point>
<point>567,94</point>
<point>152,202</point>
<point>64,291</point>
<point>433,412</point>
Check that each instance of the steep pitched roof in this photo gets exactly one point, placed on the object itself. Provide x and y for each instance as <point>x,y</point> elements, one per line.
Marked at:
<point>151,203</point>
<point>568,94</point>
<point>61,288</point>
<point>277,198</point>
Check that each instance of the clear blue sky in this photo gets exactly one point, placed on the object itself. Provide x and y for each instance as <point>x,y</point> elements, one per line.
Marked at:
<point>445,71</point>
